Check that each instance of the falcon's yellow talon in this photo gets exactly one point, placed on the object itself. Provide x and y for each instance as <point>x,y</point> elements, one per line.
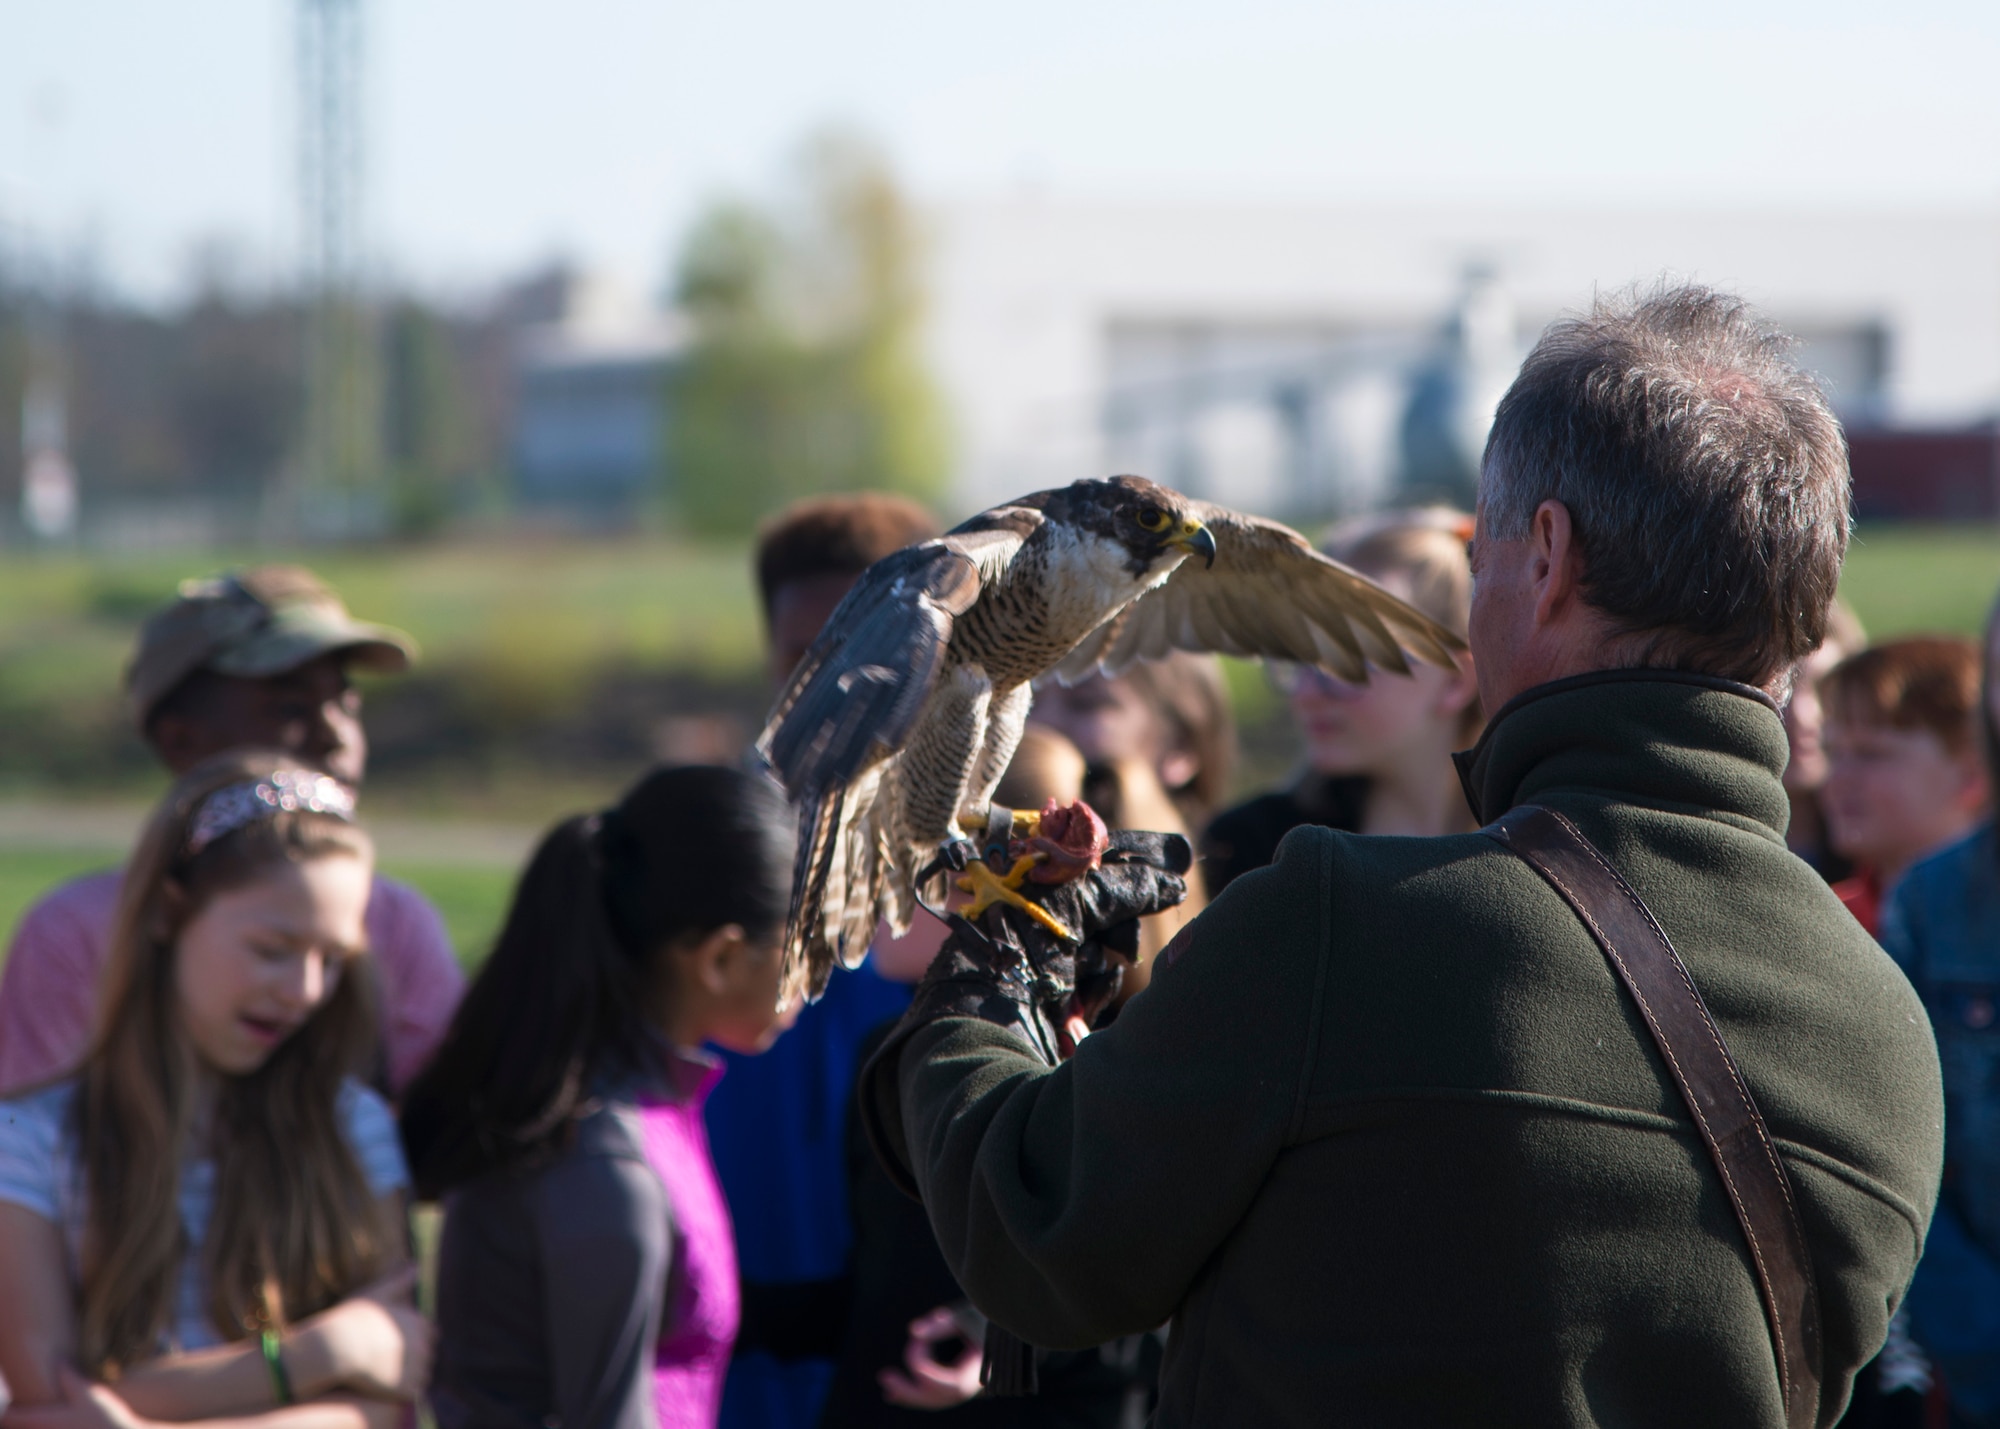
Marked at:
<point>1027,823</point>
<point>988,888</point>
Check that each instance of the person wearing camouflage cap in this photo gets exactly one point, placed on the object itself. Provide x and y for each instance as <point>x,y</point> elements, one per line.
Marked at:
<point>259,658</point>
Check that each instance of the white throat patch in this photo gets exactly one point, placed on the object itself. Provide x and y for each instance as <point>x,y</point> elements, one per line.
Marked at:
<point>1094,574</point>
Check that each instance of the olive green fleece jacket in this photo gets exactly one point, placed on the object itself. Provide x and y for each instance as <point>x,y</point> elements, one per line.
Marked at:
<point>1389,1145</point>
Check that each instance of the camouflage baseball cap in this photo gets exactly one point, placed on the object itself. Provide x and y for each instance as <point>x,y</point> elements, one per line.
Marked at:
<point>254,623</point>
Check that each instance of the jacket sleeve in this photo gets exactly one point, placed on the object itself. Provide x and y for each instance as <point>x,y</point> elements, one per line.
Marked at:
<point>1078,1204</point>
<point>605,1237</point>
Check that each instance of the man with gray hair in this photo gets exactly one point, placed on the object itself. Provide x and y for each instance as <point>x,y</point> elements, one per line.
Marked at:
<point>1433,1132</point>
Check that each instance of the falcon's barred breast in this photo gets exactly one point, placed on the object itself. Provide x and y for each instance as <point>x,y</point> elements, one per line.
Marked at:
<point>895,728</point>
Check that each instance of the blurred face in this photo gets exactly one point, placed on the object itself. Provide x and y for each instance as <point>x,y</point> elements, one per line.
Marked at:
<point>1106,719</point>
<point>312,713</point>
<point>255,961</point>
<point>1892,795</point>
<point>799,611</point>
<point>1991,693</point>
<point>743,976</point>
<point>1362,729</point>
<point>904,959</point>
<point>1805,722</point>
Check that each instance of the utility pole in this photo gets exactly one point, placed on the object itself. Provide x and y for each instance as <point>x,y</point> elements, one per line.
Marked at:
<point>48,478</point>
<point>338,492</point>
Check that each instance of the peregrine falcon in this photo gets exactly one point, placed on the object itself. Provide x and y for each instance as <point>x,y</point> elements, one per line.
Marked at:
<point>895,728</point>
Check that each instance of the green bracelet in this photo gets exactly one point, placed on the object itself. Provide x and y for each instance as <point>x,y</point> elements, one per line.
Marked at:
<point>274,1360</point>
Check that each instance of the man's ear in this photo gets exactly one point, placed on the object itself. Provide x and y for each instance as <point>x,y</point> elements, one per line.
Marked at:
<point>1557,569</point>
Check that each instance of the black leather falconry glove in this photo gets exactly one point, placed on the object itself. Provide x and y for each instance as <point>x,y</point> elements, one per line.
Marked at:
<point>1012,967</point>
<point>1038,970</point>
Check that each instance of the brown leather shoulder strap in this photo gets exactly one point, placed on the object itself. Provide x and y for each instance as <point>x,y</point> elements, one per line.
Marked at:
<point>1709,1080</point>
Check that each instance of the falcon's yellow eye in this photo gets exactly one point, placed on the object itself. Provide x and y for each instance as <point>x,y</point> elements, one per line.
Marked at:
<point>1154,519</point>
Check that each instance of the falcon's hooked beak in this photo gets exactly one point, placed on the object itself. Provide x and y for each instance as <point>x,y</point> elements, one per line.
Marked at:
<point>1196,539</point>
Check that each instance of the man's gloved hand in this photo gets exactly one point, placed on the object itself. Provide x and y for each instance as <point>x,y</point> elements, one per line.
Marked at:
<point>1009,967</point>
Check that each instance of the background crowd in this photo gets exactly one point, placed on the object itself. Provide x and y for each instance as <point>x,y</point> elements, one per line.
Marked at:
<point>233,1067</point>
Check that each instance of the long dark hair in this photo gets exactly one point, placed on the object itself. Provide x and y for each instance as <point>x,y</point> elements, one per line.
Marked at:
<point>564,994</point>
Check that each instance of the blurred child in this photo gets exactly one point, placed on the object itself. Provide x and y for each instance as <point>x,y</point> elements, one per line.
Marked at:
<point>1163,727</point>
<point>1904,769</point>
<point>587,1271</point>
<point>1941,924</point>
<point>1159,745</point>
<point>259,659</point>
<point>1805,728</point>
<point>1378,756</point>
<point>207,1216</point>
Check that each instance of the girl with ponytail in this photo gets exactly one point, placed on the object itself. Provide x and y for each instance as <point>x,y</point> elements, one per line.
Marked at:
<point>587,1271</point>
<point>205,1222</point>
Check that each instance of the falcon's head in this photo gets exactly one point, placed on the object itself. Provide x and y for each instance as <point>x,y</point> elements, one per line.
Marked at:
<point>1151,528</point>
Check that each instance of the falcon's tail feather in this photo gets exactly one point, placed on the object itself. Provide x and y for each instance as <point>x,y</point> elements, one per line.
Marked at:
<point>849,913</point>
<point>898,863</point>
<point>842,885</point>
<point>808,955</point>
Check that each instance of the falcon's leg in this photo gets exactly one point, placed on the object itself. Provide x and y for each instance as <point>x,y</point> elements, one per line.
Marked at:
<point>1006,717</point>
<point>946,747</point>
<point>930,778</point>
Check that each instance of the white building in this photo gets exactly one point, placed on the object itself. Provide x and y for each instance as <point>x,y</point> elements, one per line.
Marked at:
<point>1298,359</point>
<point>591,364</point>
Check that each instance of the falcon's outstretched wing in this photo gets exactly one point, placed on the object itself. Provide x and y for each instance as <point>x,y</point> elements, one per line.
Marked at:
<point>858,688</point>
<point>1268,593</point>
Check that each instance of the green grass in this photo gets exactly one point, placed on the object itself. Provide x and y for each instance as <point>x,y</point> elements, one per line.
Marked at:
<point>519,637</point>
<point>653,602</point>
<point>26,874</point>
<point>538,608</point>
<point>1903,580</point>
<point>472,899</point>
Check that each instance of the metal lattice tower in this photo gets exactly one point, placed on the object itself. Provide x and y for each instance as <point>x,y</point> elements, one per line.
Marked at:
<point>342,402</point>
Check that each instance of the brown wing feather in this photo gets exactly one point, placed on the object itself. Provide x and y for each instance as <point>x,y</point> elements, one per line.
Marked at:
<point>1269,593</point>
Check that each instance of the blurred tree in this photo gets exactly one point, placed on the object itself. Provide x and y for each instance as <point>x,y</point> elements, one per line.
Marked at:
<point>428,432</point>
<point>806,373</point>
<point>234,396</point>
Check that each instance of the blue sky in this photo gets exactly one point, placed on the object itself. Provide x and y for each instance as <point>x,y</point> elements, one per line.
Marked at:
<point>502,131</point>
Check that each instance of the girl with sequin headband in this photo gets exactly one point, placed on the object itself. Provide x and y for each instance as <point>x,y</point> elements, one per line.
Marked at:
<point>587,1271</point>
<point>204,1223</point>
